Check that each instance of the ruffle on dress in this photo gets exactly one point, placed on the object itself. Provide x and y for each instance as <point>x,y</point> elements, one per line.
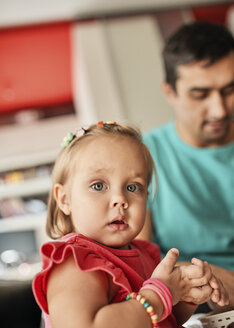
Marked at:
<point>89,256</point>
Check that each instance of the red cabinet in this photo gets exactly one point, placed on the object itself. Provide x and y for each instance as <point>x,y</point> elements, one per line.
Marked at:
<point>35,66</point>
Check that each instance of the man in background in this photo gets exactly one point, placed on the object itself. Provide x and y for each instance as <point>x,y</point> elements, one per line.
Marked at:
<point>193,209</point>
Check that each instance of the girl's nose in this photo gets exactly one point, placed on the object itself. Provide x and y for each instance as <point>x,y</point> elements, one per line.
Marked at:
<point>119,200</point>
<point>122,204</point>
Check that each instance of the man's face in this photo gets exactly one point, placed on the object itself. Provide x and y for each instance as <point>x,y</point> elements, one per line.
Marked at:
<point>204,102</point>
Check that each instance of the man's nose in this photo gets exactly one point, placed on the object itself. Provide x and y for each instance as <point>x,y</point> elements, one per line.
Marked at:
<point>217,106</point>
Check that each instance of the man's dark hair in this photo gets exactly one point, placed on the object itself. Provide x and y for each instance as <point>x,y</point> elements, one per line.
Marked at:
<point>193,43</point>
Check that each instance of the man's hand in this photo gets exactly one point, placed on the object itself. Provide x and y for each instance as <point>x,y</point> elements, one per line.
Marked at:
<point>227,279</point>
<point>219,294</point>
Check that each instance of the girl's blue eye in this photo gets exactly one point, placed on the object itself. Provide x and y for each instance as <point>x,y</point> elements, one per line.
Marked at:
<point>98,186</point>
<point>133,188</point>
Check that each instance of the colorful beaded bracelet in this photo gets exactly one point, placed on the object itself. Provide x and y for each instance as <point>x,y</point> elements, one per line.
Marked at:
<point>149,309</point>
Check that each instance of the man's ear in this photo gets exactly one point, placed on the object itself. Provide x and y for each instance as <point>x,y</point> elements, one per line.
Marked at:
<point>169,93</point>
<point>61,198</point>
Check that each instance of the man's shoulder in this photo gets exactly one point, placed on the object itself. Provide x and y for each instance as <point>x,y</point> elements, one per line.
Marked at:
<point>159,134</point>
<point>164,129</point>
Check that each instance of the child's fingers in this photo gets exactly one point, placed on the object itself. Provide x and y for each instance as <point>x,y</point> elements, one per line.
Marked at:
<point>199,282</point>
<point>199,271</point>
<point>206,275</point>
<point>203,265</point>
<point>191,271</point>
<point>198,262</point>
<point>199,295</point>
<point>169,261</point>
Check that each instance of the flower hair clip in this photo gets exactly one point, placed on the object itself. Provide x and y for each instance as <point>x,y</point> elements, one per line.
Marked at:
<point>80,132</point>
<point>101,125</point>
<point>70,136</point>
<point>67,139</point>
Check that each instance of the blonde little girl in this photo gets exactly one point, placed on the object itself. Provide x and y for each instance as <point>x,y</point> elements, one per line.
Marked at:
<point>97,275</point>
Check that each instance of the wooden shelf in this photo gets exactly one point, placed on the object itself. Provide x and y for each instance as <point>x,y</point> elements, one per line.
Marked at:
<point>29,145</point>
<point>22,223</point>
<point>31,187</point>
<point>24,147</point>
<point>15,162</point>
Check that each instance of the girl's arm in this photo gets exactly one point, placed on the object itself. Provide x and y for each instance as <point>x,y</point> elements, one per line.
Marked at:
<point>183,311</point>
<point>81,299</point>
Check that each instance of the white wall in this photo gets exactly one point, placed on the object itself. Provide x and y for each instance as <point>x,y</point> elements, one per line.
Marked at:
<point>97,95</point>
<point>136,45</point>
<point>118,72</point>
<point>14,12</point>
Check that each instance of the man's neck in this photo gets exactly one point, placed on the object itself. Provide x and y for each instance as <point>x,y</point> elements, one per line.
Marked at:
<point>191,140</point>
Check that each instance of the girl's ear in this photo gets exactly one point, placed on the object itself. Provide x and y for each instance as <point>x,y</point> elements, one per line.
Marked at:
<point>61,198</point>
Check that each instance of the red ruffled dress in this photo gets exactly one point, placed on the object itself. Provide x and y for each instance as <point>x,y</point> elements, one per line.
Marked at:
<point>128,268</point>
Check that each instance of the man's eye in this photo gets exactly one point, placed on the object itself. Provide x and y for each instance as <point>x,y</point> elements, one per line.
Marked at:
<point>133,188</point>
<point>228,91</point>
<point>199,95</point>
<point>98,186</point>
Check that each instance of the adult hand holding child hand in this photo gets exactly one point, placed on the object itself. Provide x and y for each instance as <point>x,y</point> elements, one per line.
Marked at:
<point>219,294</point>
<point>193,283</point>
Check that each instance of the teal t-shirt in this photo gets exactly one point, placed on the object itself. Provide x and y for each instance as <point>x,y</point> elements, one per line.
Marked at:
<point>193,209</point>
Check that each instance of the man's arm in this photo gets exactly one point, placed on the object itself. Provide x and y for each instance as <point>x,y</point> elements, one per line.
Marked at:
<point>147,231</point>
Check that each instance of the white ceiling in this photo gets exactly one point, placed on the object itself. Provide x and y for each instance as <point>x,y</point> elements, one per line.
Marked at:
<point>18,12</point>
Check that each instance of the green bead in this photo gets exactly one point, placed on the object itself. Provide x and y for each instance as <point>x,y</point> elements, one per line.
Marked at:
<point>70,136</point>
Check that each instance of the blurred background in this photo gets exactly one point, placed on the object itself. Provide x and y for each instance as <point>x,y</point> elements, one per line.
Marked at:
<point>63,64</point>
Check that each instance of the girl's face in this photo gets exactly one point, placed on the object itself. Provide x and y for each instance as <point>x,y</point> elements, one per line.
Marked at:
<point>107,192</point>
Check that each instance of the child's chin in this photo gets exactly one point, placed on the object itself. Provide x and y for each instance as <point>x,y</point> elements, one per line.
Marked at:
<point>122,247</point>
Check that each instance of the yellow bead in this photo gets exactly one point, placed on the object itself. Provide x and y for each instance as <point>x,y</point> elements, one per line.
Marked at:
<point>142,300</point>
<point>153,320</point>
<point>149,309</point>
<point>110,122</point>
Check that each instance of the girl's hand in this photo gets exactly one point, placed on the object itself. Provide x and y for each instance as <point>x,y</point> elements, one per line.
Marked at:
<point>186,282</point>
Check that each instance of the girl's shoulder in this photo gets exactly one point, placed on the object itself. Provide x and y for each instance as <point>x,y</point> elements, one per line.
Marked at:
<point>87,255</point>
<point>65,263</point>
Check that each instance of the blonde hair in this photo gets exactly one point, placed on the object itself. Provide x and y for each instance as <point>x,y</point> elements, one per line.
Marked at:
<point>59,224</point>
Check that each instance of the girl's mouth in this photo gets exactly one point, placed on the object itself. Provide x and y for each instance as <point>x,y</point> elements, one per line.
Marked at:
<point>119,224</point>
